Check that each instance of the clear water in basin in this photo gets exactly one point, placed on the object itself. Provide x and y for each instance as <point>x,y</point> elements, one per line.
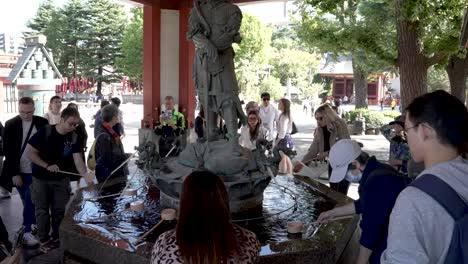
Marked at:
<point>285,199</point>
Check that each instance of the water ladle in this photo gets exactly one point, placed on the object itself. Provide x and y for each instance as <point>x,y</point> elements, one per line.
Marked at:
<point>166,215</point>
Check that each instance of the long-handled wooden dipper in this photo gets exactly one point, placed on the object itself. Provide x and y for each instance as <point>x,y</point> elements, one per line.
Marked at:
<point>166,215</point>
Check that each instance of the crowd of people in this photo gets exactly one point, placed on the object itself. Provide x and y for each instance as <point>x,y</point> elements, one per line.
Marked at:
<point>44,154</point>
<point>407,215</point>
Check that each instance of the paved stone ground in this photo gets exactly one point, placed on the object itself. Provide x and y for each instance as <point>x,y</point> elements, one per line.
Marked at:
<point>10,209</point>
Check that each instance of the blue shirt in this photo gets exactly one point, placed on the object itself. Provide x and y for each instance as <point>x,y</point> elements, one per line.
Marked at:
<point>378,191</point>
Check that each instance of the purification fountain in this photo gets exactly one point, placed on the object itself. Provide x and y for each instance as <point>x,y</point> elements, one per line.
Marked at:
<point>99,228</point>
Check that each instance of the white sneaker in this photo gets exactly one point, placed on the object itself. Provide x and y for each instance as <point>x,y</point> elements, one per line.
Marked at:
<point>30,239</point>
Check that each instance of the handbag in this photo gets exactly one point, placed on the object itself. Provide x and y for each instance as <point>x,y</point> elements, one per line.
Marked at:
<point>294,129</point>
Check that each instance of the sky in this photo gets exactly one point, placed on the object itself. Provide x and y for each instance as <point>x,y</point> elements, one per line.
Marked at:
<point>15,13</point>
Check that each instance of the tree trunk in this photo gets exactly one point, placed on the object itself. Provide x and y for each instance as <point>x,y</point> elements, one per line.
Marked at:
<point>457,70</point>
<point>411,60</point>
<point>99,81</point>
<point>360,85</point>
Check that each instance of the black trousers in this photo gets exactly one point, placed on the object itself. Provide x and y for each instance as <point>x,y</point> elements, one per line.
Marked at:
<point>341,186</point>
<point>3,232</point>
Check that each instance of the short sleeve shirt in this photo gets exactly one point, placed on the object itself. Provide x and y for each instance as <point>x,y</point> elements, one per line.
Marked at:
<point>53,149</point>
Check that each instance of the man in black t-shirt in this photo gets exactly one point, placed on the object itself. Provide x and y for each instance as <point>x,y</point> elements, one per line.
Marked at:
<point>48,150</point>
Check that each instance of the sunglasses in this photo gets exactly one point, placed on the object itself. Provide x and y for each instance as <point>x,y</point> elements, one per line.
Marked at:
<point>266,99</point>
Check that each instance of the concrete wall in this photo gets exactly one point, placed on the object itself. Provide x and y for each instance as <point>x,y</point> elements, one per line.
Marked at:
<point>169,54</point>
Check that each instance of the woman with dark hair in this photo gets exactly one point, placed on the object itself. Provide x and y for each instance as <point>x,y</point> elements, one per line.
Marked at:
<point>80,131</point>
<point>109,149</point>
<point>284,124</point>
<point>204,232</point>
<point>55,105</point>
<point>252,131</point>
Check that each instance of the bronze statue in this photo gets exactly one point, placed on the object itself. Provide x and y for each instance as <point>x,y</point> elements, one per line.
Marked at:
<point>213,27</point>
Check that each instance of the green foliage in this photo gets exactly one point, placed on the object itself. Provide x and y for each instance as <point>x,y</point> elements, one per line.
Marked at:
<point>438,23</point>
<point>340,28</point>
<point>312,90</point>
<point>325,85</point>
<point>256,39</point>
<point>372,118</point>
<point>65,32</point>
<point>392,114</point>
<point>248,80</point>
<point>437,79</point>
<point>44,15</point>
<point>131,62</point>
<point>88,33</point>
<point>295,64</point>
<point>272,86</point>
<point>106,23</point>
<point>251,56</point>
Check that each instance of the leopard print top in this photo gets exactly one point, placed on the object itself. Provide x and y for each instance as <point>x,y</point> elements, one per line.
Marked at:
<point>166,250</point>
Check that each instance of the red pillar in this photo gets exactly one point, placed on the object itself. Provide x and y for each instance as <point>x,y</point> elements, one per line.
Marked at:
<point>151,64</point>
<point>187,100</point>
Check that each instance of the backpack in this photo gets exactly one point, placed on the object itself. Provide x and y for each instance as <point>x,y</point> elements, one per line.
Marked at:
<point>449,199</point>
<point>91,161</point>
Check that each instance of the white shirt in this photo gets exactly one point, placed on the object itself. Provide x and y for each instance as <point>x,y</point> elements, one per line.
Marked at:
<point>269,115</point>
<point>52,118</point>
<point>284,126</point>
<point>25,163</point>
<point>245,140</point>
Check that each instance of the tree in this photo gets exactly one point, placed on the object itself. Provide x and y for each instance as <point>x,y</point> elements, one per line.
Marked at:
<point>333,27</point>
<point>457,66</point>
<point>131,62</point>
<point>297,65</point>
<point>104,32</point>
<point>44,15</point>
<point>67,30</point>
<point>85,37</point>
<point>272,86</point>
<point>63,28</point>
<point>427,34</point>
<point>251,55</point>
<point>437,79</point>
<point>457,70</point>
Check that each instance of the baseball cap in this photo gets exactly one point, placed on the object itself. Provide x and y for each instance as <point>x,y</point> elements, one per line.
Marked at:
<point>400,120</point>
<point>341,155</point>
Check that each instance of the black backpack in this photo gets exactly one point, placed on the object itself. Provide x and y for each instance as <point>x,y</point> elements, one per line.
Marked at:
<point>449,199</point>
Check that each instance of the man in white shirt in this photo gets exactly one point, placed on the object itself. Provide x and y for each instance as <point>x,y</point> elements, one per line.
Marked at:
<point>17,167</point>
<point>269,114</point>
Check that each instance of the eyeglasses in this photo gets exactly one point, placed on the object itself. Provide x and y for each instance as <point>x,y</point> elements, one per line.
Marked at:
<point>319,118</point>
<point>73,124</point>
<point>407,129</point>
<point>266,99</point>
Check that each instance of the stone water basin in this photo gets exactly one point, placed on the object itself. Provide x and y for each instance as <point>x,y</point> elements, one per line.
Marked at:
<point>112,239</point>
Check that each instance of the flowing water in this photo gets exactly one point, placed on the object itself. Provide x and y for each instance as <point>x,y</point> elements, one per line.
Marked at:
<point>285,199</point>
